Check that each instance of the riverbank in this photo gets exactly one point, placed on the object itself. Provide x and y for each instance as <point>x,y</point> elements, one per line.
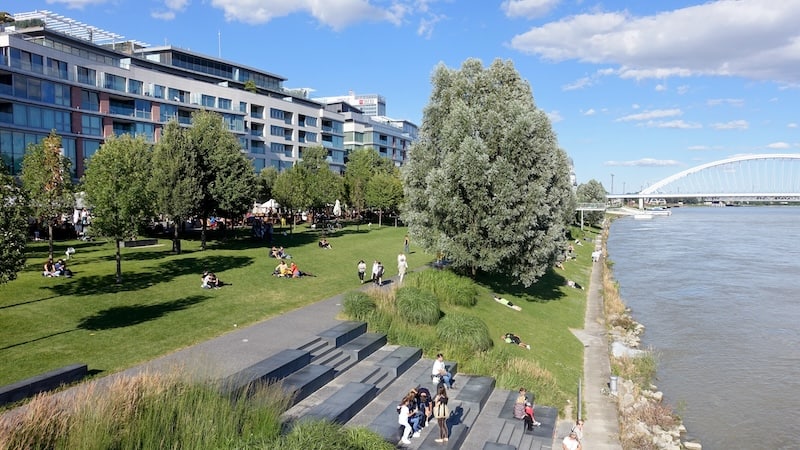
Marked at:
<point>645,421</point>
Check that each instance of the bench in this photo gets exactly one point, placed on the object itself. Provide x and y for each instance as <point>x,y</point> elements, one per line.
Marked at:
<point>364,345</point>
<point>41,383</point>
<point>345,403</point>
<point>274,368</point>
<point>343,332</point>
<point>307,380</point>
<point>546,415</point>
<point>400,360</point>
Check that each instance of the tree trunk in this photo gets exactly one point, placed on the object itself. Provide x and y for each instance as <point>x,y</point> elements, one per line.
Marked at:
<point>50,238</point>
<point>176,240</point>
<point>203,234</point>
<point>380,217</point>
<point>118,257</point>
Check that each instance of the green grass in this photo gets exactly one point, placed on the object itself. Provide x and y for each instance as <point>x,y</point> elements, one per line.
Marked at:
<point>160,307</point>
<point>51,322</point>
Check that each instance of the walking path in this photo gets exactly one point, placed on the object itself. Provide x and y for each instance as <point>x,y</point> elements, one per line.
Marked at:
<point>601,427</point>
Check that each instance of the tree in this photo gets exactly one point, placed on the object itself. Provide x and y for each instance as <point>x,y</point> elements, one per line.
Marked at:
<point>225,176</point>
<point>592,192</point>
<point>13,227</point>
<point>175,179</point>
<point>265,183</point>
<point>362,165</point>
<point>487,183</point>
<point>323,186</point>
<point>290,191</point>
<point>384,192</point>
<point>47,182</point>
<point>116,184</point>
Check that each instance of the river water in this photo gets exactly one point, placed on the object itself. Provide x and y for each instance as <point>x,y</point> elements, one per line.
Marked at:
<point>718,290</point>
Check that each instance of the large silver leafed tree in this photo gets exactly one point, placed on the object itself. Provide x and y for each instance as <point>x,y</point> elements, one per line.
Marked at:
<point>487,184</point>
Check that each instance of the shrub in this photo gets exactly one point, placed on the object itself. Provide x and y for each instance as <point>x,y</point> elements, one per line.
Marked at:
<point>417,306</point>
<point>446,286</point>
<point>358,305</point>
<point>465,332</point>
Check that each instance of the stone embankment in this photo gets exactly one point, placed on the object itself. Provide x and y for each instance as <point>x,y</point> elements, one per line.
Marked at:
<point>646,422</point>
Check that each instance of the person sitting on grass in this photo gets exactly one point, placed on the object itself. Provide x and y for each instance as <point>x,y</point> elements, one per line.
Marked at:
<point>573,284</point>
<point>296,273</point>
<point>511,338</point>
<point>210,281</point>
<point>49,269</point>
<point>282,270</point>
<point>323,243</point>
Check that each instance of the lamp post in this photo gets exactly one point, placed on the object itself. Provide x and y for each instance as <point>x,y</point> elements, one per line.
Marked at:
<point>612,183</point>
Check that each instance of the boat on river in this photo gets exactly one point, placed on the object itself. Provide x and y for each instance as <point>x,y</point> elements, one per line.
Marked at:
<point>658,211</point>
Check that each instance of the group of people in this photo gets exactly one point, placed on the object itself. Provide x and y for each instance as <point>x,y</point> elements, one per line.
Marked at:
<point>378,270</point>
<point>418,408</point>
<point>523,410</point>
<point>289,270</point>
<point>56,269</point>
<point>279,253</point>
<point>323,243</point>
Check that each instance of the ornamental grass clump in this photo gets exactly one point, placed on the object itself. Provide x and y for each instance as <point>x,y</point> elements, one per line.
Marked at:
<point>446,286</point>
<point>359,305</point>
<point>323,435</point>
<point>417,306</point>
<point>465,332</point>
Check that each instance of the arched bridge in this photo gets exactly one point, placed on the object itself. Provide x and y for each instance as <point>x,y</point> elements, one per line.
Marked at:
<point>767,177</point>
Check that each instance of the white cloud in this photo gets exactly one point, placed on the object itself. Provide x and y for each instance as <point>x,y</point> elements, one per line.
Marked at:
<point>555,116</point>
<point>661,88</point>
<point>725,101</point>
<point>176,5</point>
<point>791,125</point>
<point>698,147</point>
<point>653,114</point>
<point>163,15</point>
<point>753,39</point>
<point>644,162</point>
<point>635,106</point>
<point>336,14</point>
<point>680,124</point>
<point>732,125</point>
<point>682,89</point>
<point>779,146</point>
<point>173,7</point>
<point>528,8</point>
<point>589,112</point>
<point>426,25</point>
<point>580,83</point>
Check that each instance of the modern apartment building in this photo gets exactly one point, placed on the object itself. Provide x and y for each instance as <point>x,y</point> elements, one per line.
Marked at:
<point>88,84</point>
<point>368,104</point>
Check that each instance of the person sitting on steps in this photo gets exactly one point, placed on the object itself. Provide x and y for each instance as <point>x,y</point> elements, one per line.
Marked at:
<point>529,419</point>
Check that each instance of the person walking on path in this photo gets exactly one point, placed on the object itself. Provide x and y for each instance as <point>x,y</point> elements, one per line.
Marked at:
<point>571,442</point>
<point>402,266</point>
<point>362,269</point>
<point>405,244</point>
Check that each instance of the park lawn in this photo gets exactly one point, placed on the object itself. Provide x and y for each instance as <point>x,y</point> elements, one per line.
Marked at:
<point>160,307</point>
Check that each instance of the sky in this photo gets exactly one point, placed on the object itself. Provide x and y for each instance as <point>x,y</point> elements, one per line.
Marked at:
<point>636,90</point>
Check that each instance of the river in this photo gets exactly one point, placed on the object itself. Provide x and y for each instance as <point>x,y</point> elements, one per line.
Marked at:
<point>718,290</point>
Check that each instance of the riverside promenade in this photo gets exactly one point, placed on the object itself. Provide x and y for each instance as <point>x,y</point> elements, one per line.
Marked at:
<point>601,426</point>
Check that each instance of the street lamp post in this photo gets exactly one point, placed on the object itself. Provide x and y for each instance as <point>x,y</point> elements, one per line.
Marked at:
<point>612,183</point>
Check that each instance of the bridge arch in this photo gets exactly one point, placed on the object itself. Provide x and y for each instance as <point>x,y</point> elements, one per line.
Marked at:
<point>728,176</point>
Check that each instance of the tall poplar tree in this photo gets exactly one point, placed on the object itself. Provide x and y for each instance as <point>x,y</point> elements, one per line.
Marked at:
<point>487,183</point>
<point>47,181</point>
<point>116,184</point>
<point>13,227</point>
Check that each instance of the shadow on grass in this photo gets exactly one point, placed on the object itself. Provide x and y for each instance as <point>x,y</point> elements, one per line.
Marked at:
<point>125,316</point>
<point>59,333</point>
<point>548,288</point>
<point>164,272</point>
<point>29,302</point>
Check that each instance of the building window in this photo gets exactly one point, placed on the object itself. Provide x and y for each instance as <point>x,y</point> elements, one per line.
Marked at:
<point>157,91</point>
<point>276,130</point>
<point>89,149</point>
<point>91,125</point>
<point>30,62</point>
<point>114,82</point>
<point>243,107</point>
<point>168,112</point>
<point>87,76</point>
<point>276,113</point>
<point>224,103</point>
<point>208,101</point>
<point>135,87</point>
<point>56,68</point>
<point>90,101</point>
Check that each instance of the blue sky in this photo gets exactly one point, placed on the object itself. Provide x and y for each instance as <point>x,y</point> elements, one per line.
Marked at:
<point>637,89</point>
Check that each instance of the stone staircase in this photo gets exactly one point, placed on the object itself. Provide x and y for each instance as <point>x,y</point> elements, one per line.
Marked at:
<point>352,377</point>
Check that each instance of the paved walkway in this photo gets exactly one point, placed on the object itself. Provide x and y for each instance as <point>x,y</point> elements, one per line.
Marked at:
<point>601,426</point>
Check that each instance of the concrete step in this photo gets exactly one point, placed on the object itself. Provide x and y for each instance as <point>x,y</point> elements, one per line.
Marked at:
<point>271,369</point>
<point>307,380</point>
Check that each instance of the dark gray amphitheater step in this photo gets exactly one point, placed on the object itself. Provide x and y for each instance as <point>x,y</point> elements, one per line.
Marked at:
<point>343,332</point>
<point>43,382</point>
<point>345,403</point>
<point>426,379</point>
<point>364,345</point>
<point>307,380</point>
<point>400,360</point>
<point>496,446</point>
<point>274,368</point>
